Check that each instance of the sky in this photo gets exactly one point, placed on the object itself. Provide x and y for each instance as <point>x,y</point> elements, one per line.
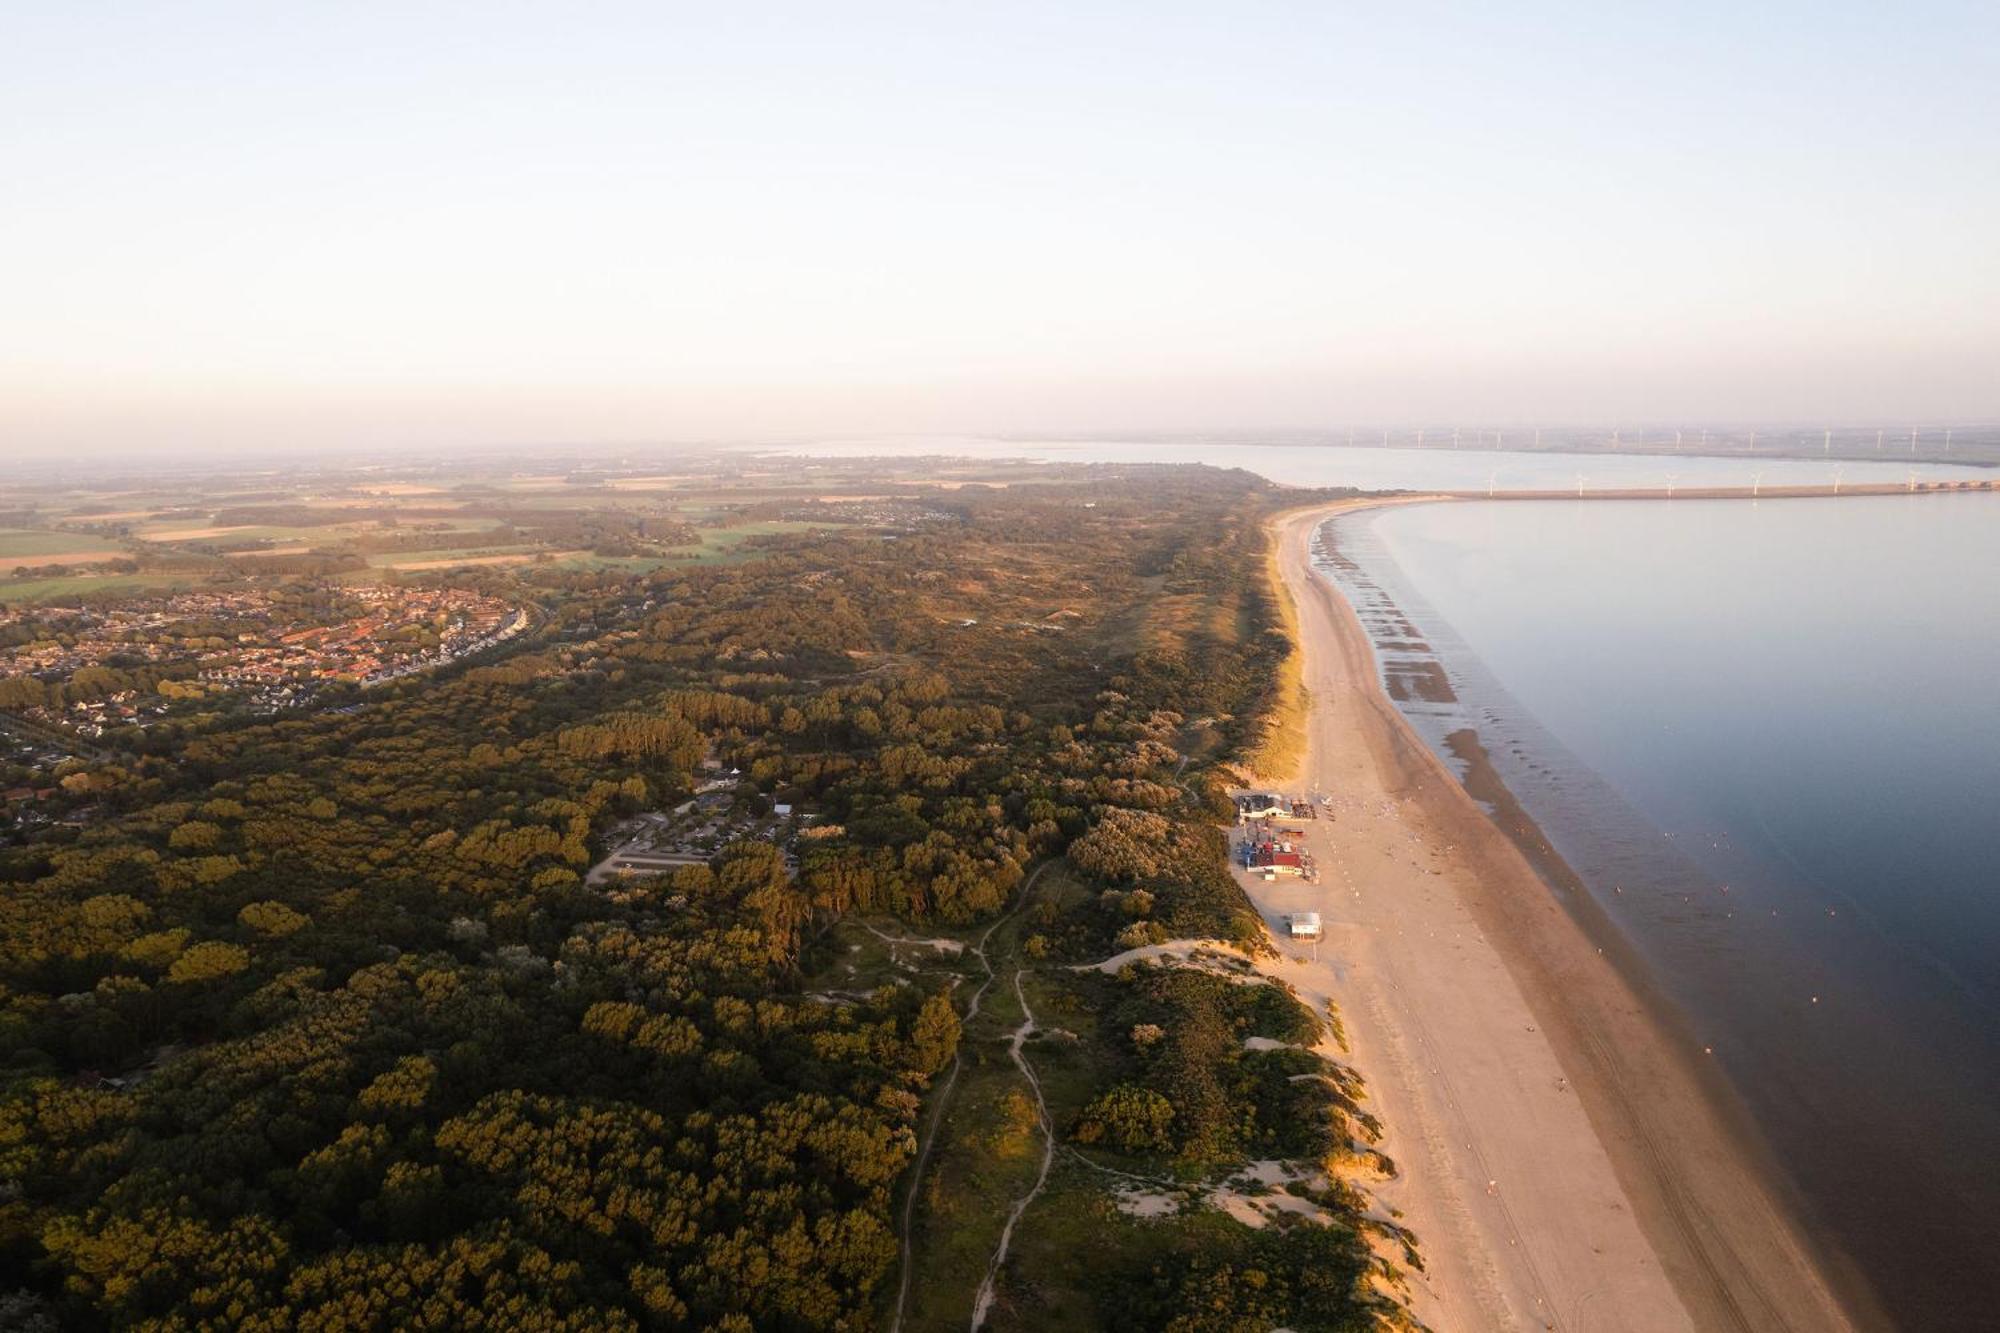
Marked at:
<point>305,226</point>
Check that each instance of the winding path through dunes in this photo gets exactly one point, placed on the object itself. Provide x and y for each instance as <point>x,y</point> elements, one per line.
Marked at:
<point>1564,1162</point>
<point>983,1302</point>
<point>943,1099</point>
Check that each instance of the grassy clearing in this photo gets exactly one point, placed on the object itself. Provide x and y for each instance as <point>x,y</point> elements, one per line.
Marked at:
<point>188,530</point>
<point>95,557</point>
<point>627,564</point>
<point>24,544</point>
<point>989,1147</point>
<point>72,585</point>
<point>1075,1236</point>
<point>855,958</point>
<point>1068,1017</point>
<point>473,555</point>
<point>721,545</point>
<point>321,534</point>
<point>989,1141</point>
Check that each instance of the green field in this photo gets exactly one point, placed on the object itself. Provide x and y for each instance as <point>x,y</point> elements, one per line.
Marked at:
<point>627,564</point>
<point>320,534</point>
<point>724,544</point>
<point>14,591</point>
<point>19,543</point>
<point>401,559</point>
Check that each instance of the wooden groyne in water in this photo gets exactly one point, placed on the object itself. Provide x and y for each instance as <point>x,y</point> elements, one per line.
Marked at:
<point>1844,491</point>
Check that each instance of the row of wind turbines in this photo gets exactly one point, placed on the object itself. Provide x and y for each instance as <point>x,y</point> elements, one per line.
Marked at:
<point>1498,441</point>
<point>1756,482</point>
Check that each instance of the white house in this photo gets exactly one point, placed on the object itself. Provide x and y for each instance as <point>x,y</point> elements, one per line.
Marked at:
<point>1302,925</point>
<point>1262,805</point>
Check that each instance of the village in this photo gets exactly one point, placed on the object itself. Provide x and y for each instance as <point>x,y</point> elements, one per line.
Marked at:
<point>128,664</point>
<point>67,639</point>
<point>402,630</point>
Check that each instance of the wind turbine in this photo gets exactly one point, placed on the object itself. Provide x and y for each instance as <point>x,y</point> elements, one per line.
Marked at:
<point>1579,485</point>
<point>1753,441</point>
<point>1538,437</point>
<point>1878,441</point>
<point>1672,477</point>
<point>1913,439</point>
<point>1828,443</point>
<point>1704,437</point>
<point>1756,482</point>
<point>1947,439</point>
<point>1913,481</point>
<point>1838,468</point>
<point>1614,437</point>
<point>1454,437</point>
<point>1420,437</point>
<point>1677,441</point>
<point>1496,439</point>
<point>1492,480</point>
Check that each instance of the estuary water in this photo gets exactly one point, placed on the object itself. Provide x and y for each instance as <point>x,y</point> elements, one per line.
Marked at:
<point>1404,468</point>
<point>1767,738</point>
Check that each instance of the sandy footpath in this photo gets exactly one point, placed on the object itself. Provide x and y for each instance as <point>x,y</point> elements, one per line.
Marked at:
<point>1561,1163</point>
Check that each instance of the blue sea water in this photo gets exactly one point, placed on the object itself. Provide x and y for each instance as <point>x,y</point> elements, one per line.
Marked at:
<point>1767,737</point>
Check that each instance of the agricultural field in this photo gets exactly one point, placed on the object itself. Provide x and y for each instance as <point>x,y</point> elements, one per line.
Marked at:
<point>440,520</point>
<point>43,546</point>
<point>457,558</point>
<point>70,586</point>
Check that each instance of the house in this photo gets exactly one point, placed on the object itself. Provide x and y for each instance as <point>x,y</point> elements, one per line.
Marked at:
<point>1276,856</point>
<point>1302,925</point>
<point>1269,857</point>
<point>1261,805</point>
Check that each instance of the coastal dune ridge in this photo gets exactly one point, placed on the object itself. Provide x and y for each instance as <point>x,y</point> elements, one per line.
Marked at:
<point>1566,1160</point>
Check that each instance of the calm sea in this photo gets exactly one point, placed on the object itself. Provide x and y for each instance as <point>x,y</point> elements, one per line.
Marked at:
<point>1372,468</point>
<point>1767,736</point>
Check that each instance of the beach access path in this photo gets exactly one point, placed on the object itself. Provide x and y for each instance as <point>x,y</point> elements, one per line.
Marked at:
<point>1560,1161</point>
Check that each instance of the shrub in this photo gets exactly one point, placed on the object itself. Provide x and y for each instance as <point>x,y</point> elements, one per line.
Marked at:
<point>1128,1118</point>
<point>209,961</point>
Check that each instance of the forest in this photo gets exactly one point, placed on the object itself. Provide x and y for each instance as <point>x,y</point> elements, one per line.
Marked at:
<point>320,1024</point>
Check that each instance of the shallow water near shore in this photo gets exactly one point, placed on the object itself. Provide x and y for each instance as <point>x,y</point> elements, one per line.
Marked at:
<point>1767,737</point>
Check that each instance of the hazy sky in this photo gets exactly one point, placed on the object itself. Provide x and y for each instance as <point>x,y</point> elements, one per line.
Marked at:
<point>492,222</point>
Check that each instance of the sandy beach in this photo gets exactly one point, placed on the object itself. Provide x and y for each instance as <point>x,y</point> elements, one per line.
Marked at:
<point>1564,1160</point>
